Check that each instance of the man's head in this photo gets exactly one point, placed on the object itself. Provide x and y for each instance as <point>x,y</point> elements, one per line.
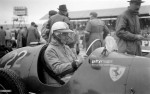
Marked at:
<point>33,23</point>
<point>61,32</point>
<point>135,5</point>
<point>63,9</point>
<point>52,12</point>
<point>20,28</point>
<point>36,25</point>
<point>93,15</point>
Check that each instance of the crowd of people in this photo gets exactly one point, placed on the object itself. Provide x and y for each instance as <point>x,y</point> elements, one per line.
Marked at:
<point>63,39</point>
<point>21,37</point>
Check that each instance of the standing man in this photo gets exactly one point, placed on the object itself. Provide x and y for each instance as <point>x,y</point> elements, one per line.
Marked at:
<point>19,38</point>
<point>95,30</point>
<point>45,31</point>
<point>33,34</point>
<point>8,38</point>
<point>2,36</point>
<point>24,36</point>
<point>128,30</point>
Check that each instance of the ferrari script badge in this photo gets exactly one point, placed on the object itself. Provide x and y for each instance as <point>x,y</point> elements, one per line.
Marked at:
<point>116,72</point>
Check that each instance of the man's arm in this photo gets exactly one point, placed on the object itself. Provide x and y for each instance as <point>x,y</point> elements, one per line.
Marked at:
<point>88,27</point>
<point>106,31</point>
<point>122,29</point>
<point>55,64</point>
<point>37,34</point>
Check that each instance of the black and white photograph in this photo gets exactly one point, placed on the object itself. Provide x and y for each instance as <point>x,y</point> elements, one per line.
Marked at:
<point>74,46</point>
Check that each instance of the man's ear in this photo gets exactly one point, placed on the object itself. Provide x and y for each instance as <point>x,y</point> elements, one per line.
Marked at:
<point>130,3</point>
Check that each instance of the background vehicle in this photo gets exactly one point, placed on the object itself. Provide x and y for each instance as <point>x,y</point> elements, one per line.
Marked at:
<point>21,71</point>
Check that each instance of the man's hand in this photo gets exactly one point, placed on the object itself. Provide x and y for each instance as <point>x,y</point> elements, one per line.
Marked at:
<point>80,60</point>
<point>86,32</point>
<point>139,37</point>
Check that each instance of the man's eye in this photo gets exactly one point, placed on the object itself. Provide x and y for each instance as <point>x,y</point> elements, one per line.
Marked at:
<point>65,34</point>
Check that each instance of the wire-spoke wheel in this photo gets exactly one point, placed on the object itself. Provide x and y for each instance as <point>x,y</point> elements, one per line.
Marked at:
<point>11,83</point>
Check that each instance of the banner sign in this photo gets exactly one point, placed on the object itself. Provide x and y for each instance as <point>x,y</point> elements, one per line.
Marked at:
<point>20,11</point>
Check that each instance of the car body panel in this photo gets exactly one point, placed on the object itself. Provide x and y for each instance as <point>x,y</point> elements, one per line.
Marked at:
<point>35,85</point>
<point>20,60</point>
<point>106,80</point>
<point>139,78</point>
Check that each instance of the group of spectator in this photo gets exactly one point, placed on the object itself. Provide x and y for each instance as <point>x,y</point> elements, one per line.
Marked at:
<point>21,37</point>
<point>128,34</point>
<point>6,37</point>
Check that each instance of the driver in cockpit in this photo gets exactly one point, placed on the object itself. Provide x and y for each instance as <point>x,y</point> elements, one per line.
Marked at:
<point>58,55</point>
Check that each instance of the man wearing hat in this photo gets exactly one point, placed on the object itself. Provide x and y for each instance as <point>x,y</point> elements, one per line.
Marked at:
<point>95,29</point>
<point>128,33</point>
<point>45,28</point>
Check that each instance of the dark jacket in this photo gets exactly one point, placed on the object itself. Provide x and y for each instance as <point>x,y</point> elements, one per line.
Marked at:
<point>96,29</point>
<point>127,26</point>
<point>33,35</point>
<point>2,37</point>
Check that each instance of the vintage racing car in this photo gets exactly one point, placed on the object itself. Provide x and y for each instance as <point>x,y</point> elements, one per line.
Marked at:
<point>21,72</point>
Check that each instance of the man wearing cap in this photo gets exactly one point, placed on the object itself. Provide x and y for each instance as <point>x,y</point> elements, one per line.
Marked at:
<point>95,29</point>
<point>58,56</point>
<point>128,33</point>
<point>45,28</point>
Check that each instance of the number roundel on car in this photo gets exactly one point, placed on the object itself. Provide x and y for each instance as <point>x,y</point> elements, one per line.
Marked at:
<point>14,59</point>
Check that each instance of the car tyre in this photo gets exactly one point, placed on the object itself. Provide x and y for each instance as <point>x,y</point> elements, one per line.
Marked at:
<point>11,83</point>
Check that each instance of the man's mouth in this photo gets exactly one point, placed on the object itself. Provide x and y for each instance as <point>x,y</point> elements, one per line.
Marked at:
<point>137,9</point>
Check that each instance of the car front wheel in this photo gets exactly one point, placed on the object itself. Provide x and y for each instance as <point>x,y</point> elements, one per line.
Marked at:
<point>11,83</point>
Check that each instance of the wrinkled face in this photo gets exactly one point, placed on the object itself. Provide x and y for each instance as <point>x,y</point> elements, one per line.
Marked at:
<point>135,6</point>
<point>64,12</point>
<point>66,37</point>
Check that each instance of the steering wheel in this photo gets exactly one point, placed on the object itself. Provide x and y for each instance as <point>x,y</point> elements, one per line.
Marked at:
<point>92,43</point>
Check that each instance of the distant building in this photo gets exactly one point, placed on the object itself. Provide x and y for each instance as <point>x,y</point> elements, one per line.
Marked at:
<point>79,18</point>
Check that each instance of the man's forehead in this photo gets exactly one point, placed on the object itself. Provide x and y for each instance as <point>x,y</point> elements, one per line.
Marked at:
<point>136,3</point>
<point>63,32</point>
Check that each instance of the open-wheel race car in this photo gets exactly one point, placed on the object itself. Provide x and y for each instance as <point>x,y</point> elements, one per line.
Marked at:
<point>22,71</point>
